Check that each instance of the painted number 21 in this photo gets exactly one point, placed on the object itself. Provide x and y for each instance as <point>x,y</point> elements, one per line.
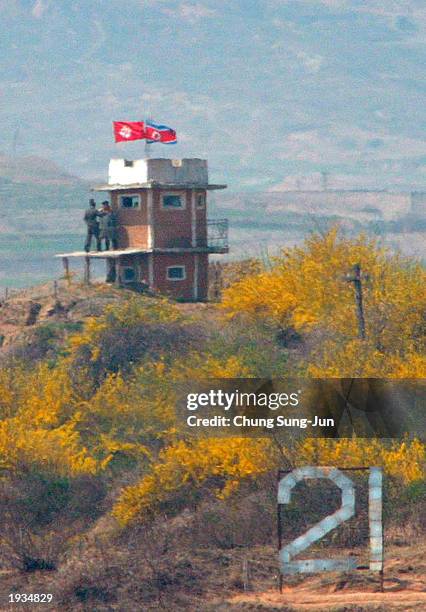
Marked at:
<point>330,522</point>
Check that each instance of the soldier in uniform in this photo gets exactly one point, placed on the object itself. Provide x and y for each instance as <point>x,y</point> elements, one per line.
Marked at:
<point>108,226</point>
<point>91,220</point>
<point>113,230</point>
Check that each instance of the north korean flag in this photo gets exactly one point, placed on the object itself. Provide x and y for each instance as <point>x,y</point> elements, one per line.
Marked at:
<point>129,130</point>
<point>159,133</point>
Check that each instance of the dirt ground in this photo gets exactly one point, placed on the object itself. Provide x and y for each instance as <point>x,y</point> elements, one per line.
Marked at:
<point>305,598</point>
<point>404,589</point>
<point>209,579</point>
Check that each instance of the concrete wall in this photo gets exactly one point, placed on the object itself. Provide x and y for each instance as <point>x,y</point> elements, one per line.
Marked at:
<point>120,174</point>
<point>172,227</point>
<point>178,171</point>
<point>133,226</point>
<point>151,269</point>
<point>160,170</point>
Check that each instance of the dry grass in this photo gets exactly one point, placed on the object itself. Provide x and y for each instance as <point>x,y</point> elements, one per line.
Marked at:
<point>170,565</point>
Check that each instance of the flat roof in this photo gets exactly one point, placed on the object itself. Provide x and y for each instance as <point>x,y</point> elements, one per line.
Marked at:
<point>157,185</point>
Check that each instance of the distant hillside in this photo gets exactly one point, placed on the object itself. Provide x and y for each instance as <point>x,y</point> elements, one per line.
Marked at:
<point>41,209</point>
<point>38,196</point>
<point>32,169</point>
<point>263,221</point>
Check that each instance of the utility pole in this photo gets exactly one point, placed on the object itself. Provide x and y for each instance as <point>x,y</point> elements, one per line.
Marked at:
<point>356,278</point>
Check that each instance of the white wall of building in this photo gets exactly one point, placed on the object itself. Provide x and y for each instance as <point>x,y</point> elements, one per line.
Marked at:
<point>193,171</point>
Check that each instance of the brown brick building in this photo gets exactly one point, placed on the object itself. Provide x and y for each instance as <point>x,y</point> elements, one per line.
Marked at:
<point>164,235</point>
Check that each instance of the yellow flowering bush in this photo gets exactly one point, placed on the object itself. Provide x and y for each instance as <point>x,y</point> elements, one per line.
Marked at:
<point>307,289</point>
<point>184,467</point>
<point>103,407</point>
<point>404,460</point>
<point>357,358</point>
<point>53,451</point>
<point>134,311</point>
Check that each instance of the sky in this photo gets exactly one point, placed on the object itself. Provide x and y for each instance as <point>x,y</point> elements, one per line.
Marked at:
<point>272,92</point>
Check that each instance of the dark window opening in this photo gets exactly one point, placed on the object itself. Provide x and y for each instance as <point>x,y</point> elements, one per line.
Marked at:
<point>172,201</point>
<point>128,163</point>
<point>129,201</point>
<point>129,275</point>
<point>176,273</point>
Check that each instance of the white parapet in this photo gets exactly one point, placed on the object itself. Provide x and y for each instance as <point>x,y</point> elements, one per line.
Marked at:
<point>126,172</point>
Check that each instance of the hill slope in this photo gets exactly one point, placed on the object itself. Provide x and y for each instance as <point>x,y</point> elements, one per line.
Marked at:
<point>40,214</point>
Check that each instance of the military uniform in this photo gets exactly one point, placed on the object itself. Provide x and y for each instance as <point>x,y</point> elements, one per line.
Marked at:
<point>108,228</point>
<point>91,219</point>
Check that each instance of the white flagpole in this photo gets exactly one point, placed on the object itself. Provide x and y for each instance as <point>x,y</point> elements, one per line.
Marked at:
<point>147,144</point>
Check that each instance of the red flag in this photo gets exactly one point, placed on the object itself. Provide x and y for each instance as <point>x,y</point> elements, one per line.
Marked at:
<point>128,130</point>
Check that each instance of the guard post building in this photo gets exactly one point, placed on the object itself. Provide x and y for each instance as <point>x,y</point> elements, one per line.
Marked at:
<point>164,235</point>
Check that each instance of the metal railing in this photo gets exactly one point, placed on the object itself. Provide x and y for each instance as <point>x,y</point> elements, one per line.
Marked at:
<point>213,236</point>
<point>217,234</point>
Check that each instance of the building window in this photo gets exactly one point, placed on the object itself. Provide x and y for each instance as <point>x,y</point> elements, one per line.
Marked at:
<point>176,273</point>
<point>201,200</point>
<point>128,163</point>
<point>128,274</point>
<point>173,200</point>
<point>130,201</point>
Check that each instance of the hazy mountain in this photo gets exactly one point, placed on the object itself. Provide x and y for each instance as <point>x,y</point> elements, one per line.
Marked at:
<point>262,222</point>
<point>41,208</point>
<point>265,90</point>
<point>34,170</point>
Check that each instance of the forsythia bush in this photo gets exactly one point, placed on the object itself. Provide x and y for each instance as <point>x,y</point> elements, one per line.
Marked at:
<point>55,451</point>
<point>182,467</point>
<point>105,407</point>
<point>37,429</point>
<point>404,460</point>
<point>133,312</point>
<point>358,358</point>
<point>127,416</point>
<point>204,366</point>
<point>307,290</point>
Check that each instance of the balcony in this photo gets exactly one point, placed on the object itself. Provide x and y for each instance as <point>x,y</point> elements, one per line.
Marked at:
<point>217,236</point>
<point>212,238</point>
